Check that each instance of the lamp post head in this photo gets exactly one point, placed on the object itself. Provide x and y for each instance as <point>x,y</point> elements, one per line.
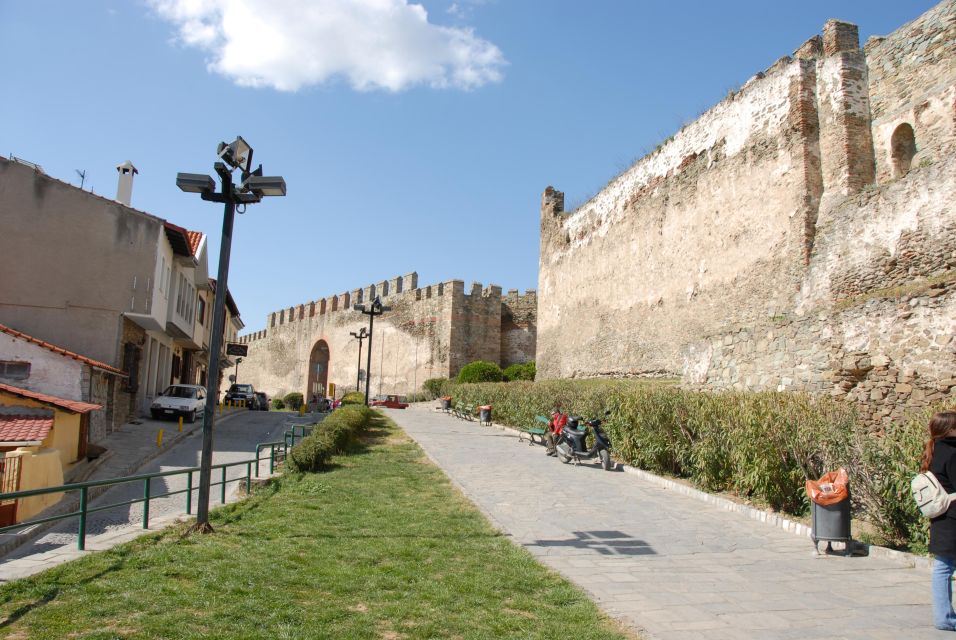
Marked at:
<point>358,307</point>
<point>237,154</point>
<point>195,183</point>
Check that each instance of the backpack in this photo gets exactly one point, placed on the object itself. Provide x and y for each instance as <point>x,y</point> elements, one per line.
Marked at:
<point>930,496</point>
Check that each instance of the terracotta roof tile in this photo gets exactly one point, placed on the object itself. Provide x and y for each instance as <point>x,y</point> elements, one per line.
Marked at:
<point>24,428</point>
<point>68,405</point>
<point>195,237</point>
<point>178,238</point>
<point>63,352</point>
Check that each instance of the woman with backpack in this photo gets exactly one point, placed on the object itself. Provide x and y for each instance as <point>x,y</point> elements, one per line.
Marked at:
<point>939,457</point>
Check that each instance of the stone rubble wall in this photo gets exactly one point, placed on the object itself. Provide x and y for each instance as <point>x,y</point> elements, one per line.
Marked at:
<point>428,332</point>
<point>773,243</point>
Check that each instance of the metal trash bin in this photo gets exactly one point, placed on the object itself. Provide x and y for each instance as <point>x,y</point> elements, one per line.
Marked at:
<point>830,510</point>
<point>445,404</point>
<point>484,414</point>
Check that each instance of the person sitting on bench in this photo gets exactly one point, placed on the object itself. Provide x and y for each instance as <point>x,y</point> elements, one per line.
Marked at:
<point>555,425</point>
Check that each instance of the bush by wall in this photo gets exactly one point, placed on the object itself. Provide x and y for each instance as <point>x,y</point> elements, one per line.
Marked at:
<point>480,371</point>
<point>353,397</point>
<point>277,404</point>
<point>336,435</point>
<point>760,446</point>
<point>436,387</point>
<point>524,371</point>
<point>293,400</point>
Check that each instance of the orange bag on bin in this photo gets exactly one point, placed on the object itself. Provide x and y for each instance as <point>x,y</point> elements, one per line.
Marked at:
<point>830,489</point>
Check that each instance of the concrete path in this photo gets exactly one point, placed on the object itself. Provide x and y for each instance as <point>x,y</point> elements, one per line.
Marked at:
<point>670,566</point>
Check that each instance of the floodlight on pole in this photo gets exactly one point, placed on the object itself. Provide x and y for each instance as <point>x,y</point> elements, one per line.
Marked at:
<point>375,308</point>
<point>235,155</point>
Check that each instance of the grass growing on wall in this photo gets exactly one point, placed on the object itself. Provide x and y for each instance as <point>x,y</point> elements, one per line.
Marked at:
<point>759,446</point>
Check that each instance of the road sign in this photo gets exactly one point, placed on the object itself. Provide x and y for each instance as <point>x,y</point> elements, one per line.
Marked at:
<point>236,349</point>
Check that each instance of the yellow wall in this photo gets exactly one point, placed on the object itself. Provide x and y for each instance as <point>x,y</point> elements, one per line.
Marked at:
<point>65,435</point>
<point>39,468</point>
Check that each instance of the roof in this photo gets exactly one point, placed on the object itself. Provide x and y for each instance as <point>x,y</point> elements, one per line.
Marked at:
<point>233,309</point>
<point>195,238</point>
<point>23,424</point>
<point>60,350</point>
<point>178,238</point>
<point>73,406</point>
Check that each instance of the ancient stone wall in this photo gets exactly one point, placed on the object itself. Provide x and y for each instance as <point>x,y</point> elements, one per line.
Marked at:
<point>427,332</point>
<point>807,251</point>
<point>519,327</point>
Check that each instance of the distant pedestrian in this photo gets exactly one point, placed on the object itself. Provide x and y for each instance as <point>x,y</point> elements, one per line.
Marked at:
<point>939,456</point>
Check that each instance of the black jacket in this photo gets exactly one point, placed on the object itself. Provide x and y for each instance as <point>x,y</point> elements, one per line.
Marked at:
<point>942,530</point>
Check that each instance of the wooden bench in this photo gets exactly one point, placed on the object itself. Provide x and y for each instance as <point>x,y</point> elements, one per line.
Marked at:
<point>538,430</point>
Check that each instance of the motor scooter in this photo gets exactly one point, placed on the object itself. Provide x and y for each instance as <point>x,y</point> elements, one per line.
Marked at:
<point>571,443</point>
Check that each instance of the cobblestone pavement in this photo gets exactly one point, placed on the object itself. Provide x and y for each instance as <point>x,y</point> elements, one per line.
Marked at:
<point>670,566</point>
<point>235,439</point>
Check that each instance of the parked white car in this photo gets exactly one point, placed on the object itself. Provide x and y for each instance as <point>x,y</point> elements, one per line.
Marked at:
<point>184,400</point>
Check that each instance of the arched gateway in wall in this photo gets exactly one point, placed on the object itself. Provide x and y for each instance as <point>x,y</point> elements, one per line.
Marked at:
<point>318,371</point>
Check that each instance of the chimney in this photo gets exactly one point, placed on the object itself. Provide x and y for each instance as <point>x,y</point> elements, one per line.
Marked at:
<point>124,190</point>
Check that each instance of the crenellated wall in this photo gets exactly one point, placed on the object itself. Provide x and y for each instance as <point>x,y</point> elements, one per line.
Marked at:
<point>798,235</point>
<point>427,332</point>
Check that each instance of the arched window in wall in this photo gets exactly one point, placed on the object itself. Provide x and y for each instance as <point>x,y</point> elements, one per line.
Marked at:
<point>902,149</point>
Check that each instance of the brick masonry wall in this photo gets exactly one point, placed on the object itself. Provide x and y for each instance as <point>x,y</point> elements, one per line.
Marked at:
<point>800,261</point>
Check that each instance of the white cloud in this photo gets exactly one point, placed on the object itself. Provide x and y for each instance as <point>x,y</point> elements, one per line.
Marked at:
<point>290,44</point>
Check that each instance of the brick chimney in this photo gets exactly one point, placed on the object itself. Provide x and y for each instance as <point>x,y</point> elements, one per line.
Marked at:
<point>124,190</point>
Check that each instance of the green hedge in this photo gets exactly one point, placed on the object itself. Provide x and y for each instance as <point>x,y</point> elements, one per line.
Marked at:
<point>760,446</point>
<point>278,404</point>
<point>337,434</point>
<point>480,371</point>
<point>353,397</point>
<point>523,371</point>
<point>293,400</point>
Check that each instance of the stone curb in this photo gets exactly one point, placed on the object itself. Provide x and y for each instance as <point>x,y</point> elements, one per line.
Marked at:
<point>762,515</point>
<point>72,503</point>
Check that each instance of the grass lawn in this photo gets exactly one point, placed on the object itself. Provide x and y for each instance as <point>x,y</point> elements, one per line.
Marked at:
<point>380,547</point>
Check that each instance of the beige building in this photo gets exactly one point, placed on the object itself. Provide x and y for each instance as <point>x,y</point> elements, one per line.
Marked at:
<point>98,277</point>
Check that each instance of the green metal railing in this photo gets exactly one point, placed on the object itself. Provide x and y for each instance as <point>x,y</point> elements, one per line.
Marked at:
<point>83,488</point>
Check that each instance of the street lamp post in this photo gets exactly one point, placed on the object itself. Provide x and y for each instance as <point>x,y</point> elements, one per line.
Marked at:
<point>360,336</point>
<point>374,309</point>
<point>237,155</point>
<point>238,360</point>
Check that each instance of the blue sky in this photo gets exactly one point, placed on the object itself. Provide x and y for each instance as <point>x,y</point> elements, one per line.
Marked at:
<point>408,143</point>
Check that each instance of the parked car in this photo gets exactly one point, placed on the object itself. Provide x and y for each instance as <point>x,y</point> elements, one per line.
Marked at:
<point>389,402</point>
<point>184,400</point>
<point>240,393</point>
<point>262,401</point>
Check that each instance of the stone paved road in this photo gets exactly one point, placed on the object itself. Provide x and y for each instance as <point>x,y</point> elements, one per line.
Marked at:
<point>234,440</point>
<point>666,564</point>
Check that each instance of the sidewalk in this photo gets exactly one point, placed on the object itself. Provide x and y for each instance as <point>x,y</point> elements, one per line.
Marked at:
<point>127,449</point>
<point>666,564</point>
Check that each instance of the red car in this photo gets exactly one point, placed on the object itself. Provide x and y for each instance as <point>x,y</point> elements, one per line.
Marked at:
<point>389,402</point>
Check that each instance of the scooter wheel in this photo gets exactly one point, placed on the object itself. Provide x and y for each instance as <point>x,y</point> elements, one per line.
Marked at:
<point>563,458</point>
<point>605,459</point>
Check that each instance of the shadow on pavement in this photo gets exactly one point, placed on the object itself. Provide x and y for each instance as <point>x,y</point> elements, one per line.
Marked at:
<point>608,543</point>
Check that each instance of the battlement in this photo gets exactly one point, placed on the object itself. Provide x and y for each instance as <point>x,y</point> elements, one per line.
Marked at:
<point>400,286</point>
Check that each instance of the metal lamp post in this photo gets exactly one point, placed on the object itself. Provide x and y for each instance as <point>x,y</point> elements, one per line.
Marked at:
<point>253,187</point>
<point>238,360</point>
<point>374,309</point>
<point>360,336</point>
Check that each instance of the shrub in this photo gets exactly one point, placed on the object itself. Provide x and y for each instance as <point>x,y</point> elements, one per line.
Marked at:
<point>760,446</point>
<point>480,371</point>
<point>436,387</point>
<point>277,404</point>
<point>293,400</point>
<point>353,397</point>
<point>525,371</point>
<point>336,435</point>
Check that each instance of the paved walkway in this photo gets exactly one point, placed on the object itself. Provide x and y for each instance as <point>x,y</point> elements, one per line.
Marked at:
<point>668,565</point>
